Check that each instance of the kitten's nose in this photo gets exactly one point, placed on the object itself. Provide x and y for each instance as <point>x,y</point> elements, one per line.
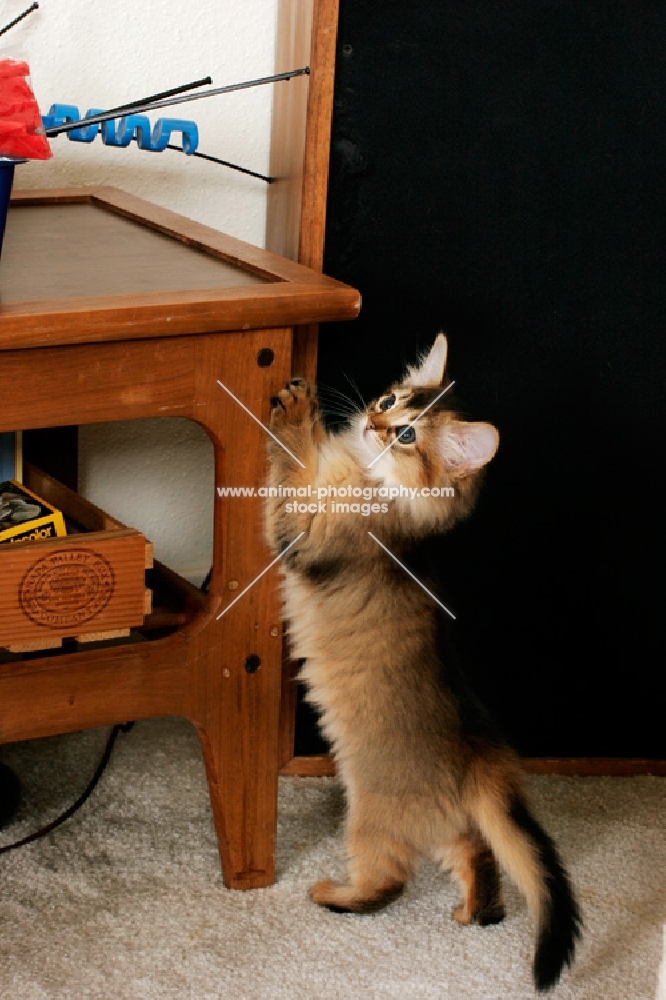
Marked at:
<point>370,426</point>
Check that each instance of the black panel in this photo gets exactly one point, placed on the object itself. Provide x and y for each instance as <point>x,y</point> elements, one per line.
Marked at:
<point>498,172</point>
<point>54,450</point>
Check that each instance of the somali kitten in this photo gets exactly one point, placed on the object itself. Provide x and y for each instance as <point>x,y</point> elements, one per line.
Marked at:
<point>425,773</point>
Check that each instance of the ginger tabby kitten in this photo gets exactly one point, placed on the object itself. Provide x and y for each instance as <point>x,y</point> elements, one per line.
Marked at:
<point>425,772</point>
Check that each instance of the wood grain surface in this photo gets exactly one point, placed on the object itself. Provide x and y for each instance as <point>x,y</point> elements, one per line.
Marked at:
<point>61,587</point>
<point>83,250</point>
<point>200,671</point>
<point>78,290</point>
<point>323,766</point>
<point>296,210</point>
<point>300,148</point>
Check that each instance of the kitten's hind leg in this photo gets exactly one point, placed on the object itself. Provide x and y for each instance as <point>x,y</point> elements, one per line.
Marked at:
<point>477,872</point>
<point>368,896</point>
<point>378,870</point>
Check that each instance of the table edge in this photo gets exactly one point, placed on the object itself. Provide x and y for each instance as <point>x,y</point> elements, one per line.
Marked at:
<point>59,322</point>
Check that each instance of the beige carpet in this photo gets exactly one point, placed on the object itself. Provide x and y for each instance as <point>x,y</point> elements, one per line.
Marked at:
<point>126,901</point>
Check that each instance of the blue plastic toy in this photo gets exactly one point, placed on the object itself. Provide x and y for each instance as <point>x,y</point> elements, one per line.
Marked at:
<point>121,131</point>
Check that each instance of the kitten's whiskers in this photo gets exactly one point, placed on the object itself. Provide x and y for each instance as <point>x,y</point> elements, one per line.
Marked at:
<point>356,389</point>
<point>338,404</point>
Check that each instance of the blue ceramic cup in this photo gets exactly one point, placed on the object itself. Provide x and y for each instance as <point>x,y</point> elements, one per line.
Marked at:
<point>7,165</point>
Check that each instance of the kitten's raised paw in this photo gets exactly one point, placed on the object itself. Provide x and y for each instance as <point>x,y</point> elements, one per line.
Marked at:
<point>295,404</point>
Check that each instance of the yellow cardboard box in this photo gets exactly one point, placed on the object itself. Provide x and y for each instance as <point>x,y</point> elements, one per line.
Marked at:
<point>25,517</point>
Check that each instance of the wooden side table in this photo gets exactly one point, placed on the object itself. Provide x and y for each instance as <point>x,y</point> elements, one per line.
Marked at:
<point>113,309</point>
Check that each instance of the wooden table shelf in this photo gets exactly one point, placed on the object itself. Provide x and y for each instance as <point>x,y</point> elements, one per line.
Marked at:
<point>115,309</point>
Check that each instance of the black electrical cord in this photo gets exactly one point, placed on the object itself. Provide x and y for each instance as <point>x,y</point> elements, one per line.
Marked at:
<point>225,163</point>
<point>92,784</point>
<point>10,794</point>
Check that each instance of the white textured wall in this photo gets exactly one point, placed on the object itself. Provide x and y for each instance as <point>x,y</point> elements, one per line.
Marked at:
<point>156,475</point>
<point>93,53</point>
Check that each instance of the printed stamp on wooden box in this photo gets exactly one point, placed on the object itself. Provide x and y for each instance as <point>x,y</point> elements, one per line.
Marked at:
<point>66,589</point>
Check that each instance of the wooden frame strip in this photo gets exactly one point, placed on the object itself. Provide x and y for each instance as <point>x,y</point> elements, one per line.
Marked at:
<point>323,766</point>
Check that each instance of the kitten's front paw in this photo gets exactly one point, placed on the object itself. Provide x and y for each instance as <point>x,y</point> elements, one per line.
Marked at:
<point>293,405</point>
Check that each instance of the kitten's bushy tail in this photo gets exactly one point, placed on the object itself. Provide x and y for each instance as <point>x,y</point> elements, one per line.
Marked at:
<point>531,860</point>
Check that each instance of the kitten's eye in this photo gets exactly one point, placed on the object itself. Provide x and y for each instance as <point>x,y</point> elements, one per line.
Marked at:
<point>387,402</point>
<point>405,435</point>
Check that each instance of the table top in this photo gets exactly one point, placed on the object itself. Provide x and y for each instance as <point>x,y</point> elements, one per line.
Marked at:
<point>83,250</point>
<point>96,264</point>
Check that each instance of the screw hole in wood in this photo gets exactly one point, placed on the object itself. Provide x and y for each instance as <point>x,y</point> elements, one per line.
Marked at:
<point>265,357</point>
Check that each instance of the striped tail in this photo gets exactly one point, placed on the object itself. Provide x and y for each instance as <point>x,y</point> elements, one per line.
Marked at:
<point>531,860</point>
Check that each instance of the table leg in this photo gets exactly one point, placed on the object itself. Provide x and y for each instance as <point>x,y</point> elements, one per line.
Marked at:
<point>236,658</point>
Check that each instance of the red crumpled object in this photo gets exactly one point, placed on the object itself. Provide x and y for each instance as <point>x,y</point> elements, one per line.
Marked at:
<point>21,129</point>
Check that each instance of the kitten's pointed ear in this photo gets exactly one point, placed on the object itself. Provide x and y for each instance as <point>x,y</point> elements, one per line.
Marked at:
<point>465,447</point>
<point>430,370</point>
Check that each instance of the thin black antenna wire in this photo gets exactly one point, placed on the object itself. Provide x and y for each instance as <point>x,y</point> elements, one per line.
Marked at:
<point>158,97</point>
<point>16,20</point>
<point>184,98</point>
